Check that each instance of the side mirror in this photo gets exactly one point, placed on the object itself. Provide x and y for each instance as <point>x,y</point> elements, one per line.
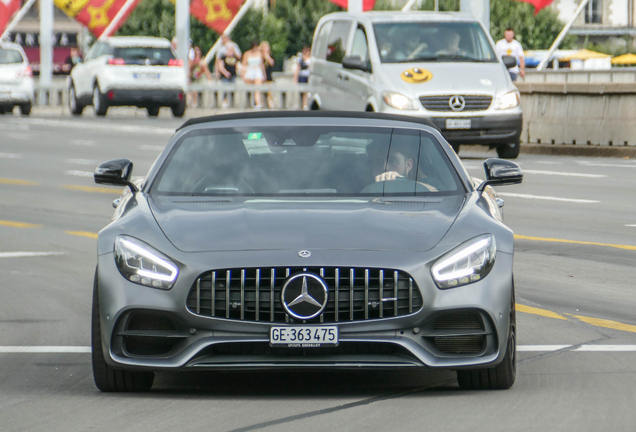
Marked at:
<point>116,172</point>
<point>501,172</point>
<point>509,61</point>
<point>354,62</point>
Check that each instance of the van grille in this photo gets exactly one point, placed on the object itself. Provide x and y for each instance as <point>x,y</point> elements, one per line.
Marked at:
<point>442,103</point>
<point>355,294</point>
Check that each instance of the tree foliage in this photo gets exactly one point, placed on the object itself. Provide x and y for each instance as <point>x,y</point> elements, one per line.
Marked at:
<point>533,31</point>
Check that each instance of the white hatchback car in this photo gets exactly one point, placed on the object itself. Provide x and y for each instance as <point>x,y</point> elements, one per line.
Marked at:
<point>16,79</point>
<point>129,71</point>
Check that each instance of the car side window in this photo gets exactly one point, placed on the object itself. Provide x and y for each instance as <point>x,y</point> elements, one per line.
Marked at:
<point>360,46</point>
<point>337,42</point>
<point>320,48</point>
<point>90,55</point>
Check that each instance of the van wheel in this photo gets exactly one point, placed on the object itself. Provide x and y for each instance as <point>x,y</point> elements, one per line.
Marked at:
<point>369,109</point>
<point>509,151</point>
<point>315,107</point>
<point>153,111</point>
<point>25,109</point>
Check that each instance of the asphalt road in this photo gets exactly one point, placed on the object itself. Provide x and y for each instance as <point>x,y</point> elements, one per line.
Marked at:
<point>575,222</point>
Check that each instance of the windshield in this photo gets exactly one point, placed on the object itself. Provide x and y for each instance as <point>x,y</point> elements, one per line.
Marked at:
<point>405,42</point>
<point>139,55</point>
<point>307,161</point>
<point>10,56</point>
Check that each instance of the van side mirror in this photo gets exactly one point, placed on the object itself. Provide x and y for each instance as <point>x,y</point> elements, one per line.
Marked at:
<point>501,172</point>
<point>509,61</point>
<point>116,172</point>
<point>355,62</point>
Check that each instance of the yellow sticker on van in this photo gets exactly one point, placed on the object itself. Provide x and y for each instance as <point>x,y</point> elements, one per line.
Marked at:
<point>417,75</point>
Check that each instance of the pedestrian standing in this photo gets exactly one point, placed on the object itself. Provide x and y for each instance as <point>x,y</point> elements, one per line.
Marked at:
<point>254,69</point>
<point>266,50</point>
<point>226,66</point>
<point>301,72</point>
<point>511,47</point>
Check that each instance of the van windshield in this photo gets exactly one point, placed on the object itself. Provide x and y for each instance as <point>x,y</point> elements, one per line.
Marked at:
<point>406,42</point>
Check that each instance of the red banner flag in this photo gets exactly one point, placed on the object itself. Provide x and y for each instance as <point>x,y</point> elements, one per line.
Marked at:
<point>538,4</point>
<point>367,5</point>
<point>7,9</point>
<point>96,15</point>
<point>216,14</point>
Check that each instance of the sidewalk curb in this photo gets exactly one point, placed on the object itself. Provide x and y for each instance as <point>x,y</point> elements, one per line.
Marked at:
<point>579,150</point>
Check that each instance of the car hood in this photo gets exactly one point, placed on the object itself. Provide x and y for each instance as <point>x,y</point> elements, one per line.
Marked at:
<point>193,224</point>
<point>448,78</point>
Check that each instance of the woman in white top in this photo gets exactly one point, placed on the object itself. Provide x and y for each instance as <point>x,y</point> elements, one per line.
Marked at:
<point>254,69</point>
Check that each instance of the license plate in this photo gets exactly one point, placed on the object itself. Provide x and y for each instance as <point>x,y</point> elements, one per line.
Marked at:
<point>146,75</point>
<point>303,336</point>
<point>457,123</point>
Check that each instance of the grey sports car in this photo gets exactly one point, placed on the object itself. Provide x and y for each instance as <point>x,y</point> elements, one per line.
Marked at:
<point>305,239</point>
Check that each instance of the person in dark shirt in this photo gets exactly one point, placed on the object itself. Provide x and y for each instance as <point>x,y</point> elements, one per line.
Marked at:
<point>226,66</point>
<point>73,59</point>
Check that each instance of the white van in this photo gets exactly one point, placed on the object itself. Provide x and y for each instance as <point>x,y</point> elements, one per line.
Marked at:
<point>441,66</point>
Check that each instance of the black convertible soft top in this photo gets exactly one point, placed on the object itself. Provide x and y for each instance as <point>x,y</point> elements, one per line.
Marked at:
<point>308,114</point>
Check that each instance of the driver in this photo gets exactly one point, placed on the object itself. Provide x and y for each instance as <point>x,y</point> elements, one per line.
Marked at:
<point>452,43</point>
<point>399,165</point>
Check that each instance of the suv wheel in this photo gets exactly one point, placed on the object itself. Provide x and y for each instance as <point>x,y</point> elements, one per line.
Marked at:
<point>153,110</point>
<point>100,104</point>
<point>179,109</point>
<point>106,378</point>
<point>75,107</point>
<point>509,151</point>
<point>25,109</point>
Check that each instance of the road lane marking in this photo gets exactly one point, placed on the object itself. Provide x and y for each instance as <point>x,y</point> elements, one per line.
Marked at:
<point>108,127</point>
<point>82,161</point>
<point>633,226</point>
<point>566,174</point>
<point>82,234</point>
<point>520,348</point>
<point>79,173</point>
<point>597,322</point>
<point>10,156</point>
<point>18,182</point>
<point>19,224</point>
<point>81,142</point>
<point>92,189</point>
<point>555,240</point>
<point>537,311</point>
<point>546,198</point>
<point>594,164</point>
<point>28,254</point>
<point>45,349</point>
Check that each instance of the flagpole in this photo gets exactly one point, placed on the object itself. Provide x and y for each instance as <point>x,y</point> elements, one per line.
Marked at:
<point>115,22</point>
<point>561,35</point>
<point>242,11</point>
<point>17,18</point>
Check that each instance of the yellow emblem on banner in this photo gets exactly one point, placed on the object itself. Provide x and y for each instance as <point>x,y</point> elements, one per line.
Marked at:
<point>71,7</point>
<point>99,17</point>
<point>217,9</point>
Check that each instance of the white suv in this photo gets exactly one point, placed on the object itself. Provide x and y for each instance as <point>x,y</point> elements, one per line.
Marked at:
<point>16,79</point>
<point>129,71</point>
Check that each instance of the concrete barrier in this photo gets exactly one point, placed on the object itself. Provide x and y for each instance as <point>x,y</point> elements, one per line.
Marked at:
<point>579,113</point>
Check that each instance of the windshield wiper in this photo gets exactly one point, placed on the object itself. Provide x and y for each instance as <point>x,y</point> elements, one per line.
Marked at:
<point>418,59</point>
<point>461,57</point>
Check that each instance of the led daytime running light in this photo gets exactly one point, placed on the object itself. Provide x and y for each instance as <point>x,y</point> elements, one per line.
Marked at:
<point>456,257</point>
<point>168,278</point>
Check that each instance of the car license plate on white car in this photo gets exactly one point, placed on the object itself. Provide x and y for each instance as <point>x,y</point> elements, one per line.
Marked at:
<point>146,75</point>
<point>457,123</point>
<point>303,336</point>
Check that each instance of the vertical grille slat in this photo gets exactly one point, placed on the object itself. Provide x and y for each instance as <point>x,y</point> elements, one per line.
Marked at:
<point>355,294</point>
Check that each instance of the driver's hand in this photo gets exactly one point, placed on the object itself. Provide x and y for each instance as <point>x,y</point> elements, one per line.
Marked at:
<point>386,176</point>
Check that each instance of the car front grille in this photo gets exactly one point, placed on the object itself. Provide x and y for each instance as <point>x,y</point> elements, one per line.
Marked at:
<point>355,294</point>
<point>442,103</point>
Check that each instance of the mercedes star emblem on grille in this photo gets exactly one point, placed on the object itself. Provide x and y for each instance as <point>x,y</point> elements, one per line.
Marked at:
<point>304,296</point>
<point>456,103</point>
<point>304,254</point>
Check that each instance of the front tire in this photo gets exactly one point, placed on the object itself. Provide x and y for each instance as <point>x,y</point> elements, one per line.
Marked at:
<point>106,378</point>
<point>509,151</point>
<point>100,103</point>
<point>500,377</point>
<point>153,111</point>
<point>75,107</point>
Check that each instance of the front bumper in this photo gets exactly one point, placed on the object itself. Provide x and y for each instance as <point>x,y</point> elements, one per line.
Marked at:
<point>144,97</point>
<point>150,329</point>
<point>488,130</point>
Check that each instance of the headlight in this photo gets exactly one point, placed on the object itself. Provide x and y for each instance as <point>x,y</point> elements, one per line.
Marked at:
<point>144,265</point>
<point>509,100</point>
<point>399,101</point>
<point>467,263</point>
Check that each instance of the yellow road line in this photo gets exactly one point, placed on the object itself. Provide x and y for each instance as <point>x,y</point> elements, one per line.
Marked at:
<point>19,224</point>
<point>18,182</point>
<point>555,240</point>
<point>82,234</point>
<point>537,311</point>
<point>93,189</point>
<point>606,323</point>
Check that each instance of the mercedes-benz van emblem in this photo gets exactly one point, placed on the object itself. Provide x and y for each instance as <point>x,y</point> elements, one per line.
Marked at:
<point>304,254</point>
<point>457,103</point>
<point>304,296</point>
